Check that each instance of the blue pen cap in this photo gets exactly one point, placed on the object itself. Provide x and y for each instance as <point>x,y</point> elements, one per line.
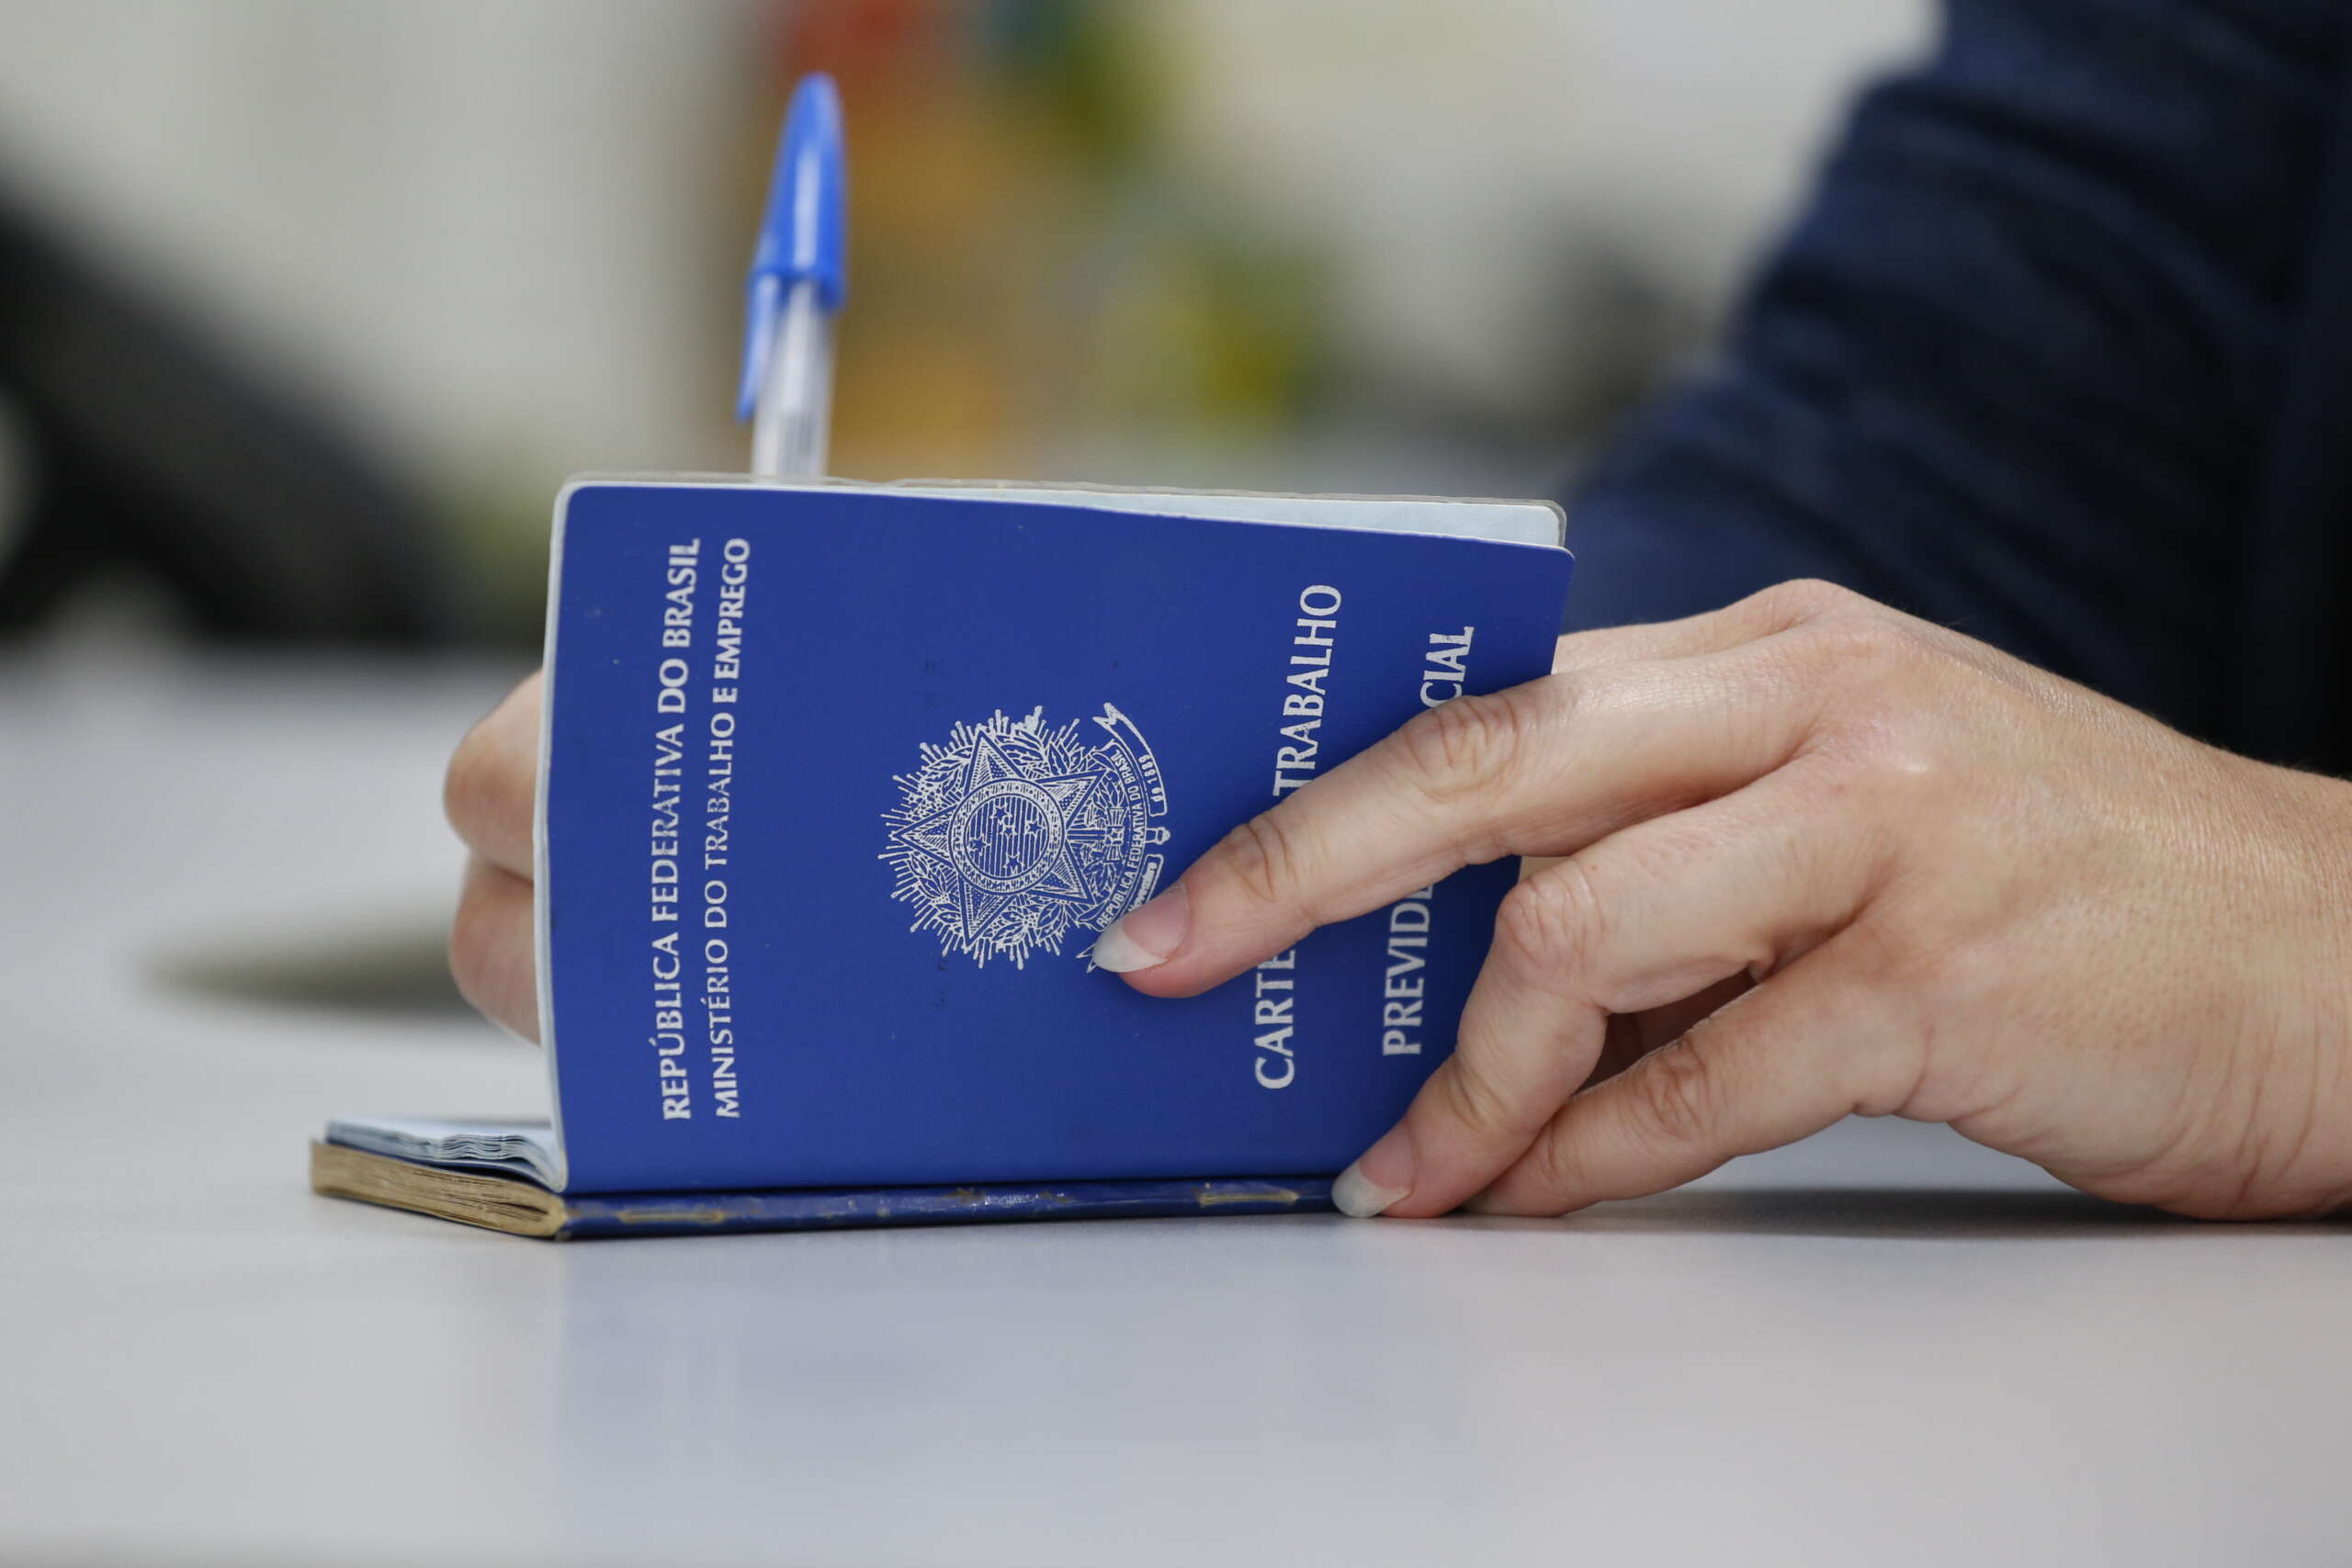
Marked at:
<point>803,235</point>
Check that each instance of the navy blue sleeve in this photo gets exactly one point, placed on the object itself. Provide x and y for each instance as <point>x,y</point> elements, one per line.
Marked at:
<point>2013,369</point>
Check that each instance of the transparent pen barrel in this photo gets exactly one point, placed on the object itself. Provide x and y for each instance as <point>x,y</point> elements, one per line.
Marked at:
<point>792,423</point>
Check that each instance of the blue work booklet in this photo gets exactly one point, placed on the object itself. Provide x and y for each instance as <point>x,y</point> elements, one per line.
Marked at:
<point>840,784</point>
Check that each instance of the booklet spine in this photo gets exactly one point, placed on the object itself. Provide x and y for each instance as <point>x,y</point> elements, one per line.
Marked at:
<point>699,1213</point>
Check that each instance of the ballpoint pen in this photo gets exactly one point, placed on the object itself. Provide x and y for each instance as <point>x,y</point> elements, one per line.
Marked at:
<point>796,283</point>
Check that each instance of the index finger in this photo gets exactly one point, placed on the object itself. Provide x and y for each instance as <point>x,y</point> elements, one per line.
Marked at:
<point>1542,769</point>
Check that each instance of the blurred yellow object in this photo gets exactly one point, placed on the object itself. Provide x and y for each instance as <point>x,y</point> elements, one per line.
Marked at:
<point>1030,268</point>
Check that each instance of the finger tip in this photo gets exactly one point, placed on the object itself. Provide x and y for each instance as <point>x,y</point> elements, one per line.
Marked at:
<point>1150,976</point>
<point>1359,1198</point>
<point>1146,936</point>
<point>1119,954</point>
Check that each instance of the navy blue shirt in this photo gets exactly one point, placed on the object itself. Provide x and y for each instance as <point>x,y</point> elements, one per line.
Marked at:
<point>2060,354</point>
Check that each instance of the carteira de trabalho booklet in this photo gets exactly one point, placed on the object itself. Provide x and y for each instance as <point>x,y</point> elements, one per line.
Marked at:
<point>839,784</point>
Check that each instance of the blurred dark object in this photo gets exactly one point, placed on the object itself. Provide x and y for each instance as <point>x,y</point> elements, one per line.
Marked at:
<point>391,963</point>
<point>146,454</point>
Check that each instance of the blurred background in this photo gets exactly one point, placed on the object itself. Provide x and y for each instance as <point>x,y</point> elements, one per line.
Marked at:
<point>307,309</point>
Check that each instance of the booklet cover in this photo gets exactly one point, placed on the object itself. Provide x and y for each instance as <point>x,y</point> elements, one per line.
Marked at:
<point>840,784</point>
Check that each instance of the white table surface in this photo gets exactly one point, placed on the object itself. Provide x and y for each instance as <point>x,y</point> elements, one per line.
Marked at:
<point>1885,1346</point>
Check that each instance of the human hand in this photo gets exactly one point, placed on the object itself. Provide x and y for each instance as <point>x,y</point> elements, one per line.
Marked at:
<point>1822,859</point>
<point>490,794</point>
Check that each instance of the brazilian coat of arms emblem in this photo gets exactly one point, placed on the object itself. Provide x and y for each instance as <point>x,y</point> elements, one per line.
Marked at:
<point>1012,834</point>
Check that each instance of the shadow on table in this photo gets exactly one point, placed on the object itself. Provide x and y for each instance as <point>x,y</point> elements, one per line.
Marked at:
<point>387,963</point>
<point>1928,1213</point>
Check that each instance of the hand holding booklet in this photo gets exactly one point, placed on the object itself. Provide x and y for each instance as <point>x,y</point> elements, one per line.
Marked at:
<point>840,784</point>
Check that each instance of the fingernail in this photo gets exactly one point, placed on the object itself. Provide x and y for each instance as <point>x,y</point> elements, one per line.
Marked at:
<point>1380,1179</point>
<point>1146,937</point>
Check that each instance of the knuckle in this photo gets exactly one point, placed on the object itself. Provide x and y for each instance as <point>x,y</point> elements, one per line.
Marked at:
<point>1261,859</point>
<point>1808,598</point>
<point>1864,643</point>
<point>1887,717</point>
<point>475,788</point>
<point>1678,1094</point>
<point>1477,1103</point>
<point>461,784</point>
<point>487,790</point>
<point>469,943</point>
<point>1896,752</point>
<point>1549,1173</point>
<point>1549,926</point>
<point>1460,748</point>
<point>483,939</point>
<point>1942,977</point>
